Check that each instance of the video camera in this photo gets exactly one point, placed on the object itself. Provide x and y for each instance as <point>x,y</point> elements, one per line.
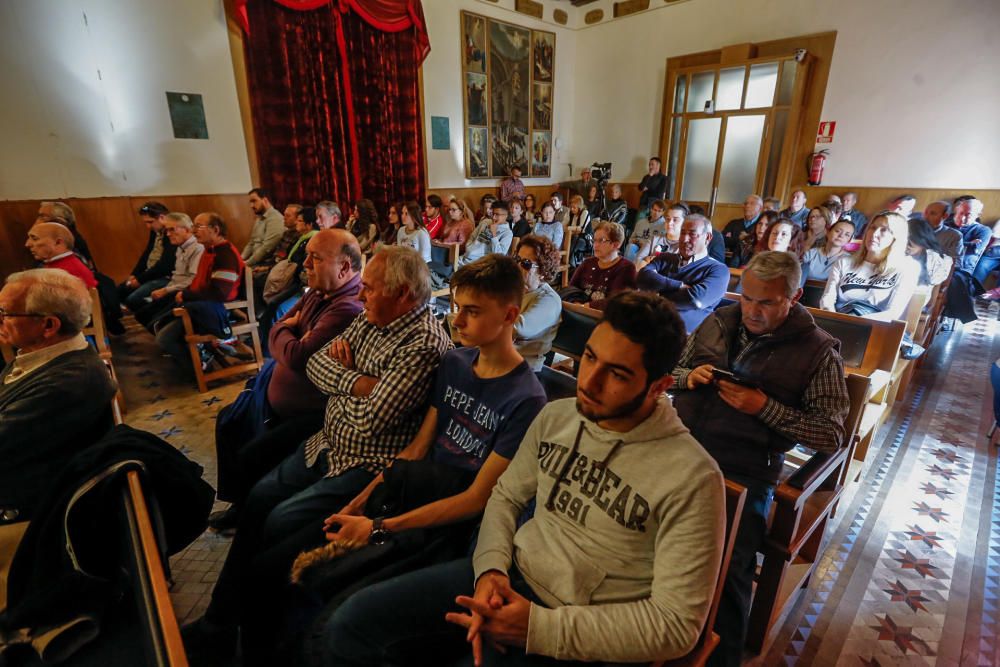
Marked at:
<point>601,172</point>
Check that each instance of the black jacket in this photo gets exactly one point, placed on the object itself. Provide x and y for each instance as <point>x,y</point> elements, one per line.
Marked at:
<point>47,586</point>
<point>163,268</point>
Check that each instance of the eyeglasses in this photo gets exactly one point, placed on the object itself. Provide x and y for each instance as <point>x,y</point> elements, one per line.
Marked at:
<point>5,314</point>
<point>603,241</point>
<point>526,264</point>
<point>455,210</point>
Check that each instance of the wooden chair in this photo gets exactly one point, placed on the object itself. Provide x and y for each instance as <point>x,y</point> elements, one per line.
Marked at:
<point>577,323</point>
<point>902,371</point>
<point>804,501</point>
<point>243,308</point>
<point>812,292</point>
<point>735,276</point>
<point>164,645</point>
<point>569,235</point>
<point>445,254</point>
<point>97,333</point>
<point>709,640</point>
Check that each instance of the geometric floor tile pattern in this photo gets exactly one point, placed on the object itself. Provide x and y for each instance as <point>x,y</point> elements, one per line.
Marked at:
<point>911,572</point>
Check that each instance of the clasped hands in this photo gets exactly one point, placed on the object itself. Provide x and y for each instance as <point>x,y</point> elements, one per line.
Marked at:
<point>745,399</point>
<point>496,611</point>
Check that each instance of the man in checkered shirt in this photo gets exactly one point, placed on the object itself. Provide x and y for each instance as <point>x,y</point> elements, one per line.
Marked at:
<point>377,374</point>
<point>788,389</point>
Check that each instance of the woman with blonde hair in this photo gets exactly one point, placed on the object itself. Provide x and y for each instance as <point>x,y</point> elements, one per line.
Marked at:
<point>459,222</point>
<point>607,272</point>
<point>876,280</point>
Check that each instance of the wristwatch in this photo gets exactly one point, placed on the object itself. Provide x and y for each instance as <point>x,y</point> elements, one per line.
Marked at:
<point>378,534</point>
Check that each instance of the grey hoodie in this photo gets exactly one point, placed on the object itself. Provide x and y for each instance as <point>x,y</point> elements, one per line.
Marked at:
<point>627,558</point>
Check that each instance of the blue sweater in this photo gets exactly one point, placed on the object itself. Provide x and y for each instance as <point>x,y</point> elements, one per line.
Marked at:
<point>707,280</point>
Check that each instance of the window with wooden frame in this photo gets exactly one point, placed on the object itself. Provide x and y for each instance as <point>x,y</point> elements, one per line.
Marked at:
<point>729,129</point>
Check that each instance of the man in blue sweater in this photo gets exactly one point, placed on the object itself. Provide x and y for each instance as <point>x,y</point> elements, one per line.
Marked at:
<point>691,279</point>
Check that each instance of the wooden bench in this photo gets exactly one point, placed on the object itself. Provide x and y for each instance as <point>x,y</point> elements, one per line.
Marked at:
<point>569,235</point>
<point>735,498</point>
<point>243,308</point>
<point>804,501</point>
<point>812,292</point>
<point>446,254</point>
<point>735,276</point>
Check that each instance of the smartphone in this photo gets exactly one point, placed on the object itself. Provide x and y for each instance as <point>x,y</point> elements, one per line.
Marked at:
<point>729,376</point>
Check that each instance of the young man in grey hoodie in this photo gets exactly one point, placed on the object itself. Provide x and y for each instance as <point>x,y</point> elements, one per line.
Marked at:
<point>618,562</point>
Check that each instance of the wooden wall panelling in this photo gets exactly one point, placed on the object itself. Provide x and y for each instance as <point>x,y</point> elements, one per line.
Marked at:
<point>112,228</point>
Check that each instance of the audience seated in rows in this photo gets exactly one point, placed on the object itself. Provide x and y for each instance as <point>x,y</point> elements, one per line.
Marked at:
<point>797,210</point>
<point>377,375</point>
<point>649,233</point>
<point>789,390</point>
<point>179,231</point>
<point>692,280</point>
<point>816,261</point>
<point>819,222</point>
<point>217,280</point>
<point>261,429</point>
<point>55,395</point>
<point>512,187</point>
<point>541,308</point>
<point>737,232</point>
<point>618,560</point>
<point>153,268</point>
<point>949,238</point>
<point>267,229</point>
<point>857,218</point>
<point>548,225</point>
<point>328,215</point>
<point>432,219</point>
<point>876,280</point>
<point>653,184</point>
<point>51,243</point>
<point>922,245</point>
<point>413,234</point>
<point>606,273</point>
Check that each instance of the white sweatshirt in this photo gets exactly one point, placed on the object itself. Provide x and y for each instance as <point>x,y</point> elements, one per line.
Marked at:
<point>889,292</point>
<point>626,562</point>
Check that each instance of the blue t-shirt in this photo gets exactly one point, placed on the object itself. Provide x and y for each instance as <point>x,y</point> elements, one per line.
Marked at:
<point>477,416</point>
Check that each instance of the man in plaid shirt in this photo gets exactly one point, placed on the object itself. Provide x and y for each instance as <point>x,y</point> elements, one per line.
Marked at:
<point>788,389</point>
<point>377,375</point>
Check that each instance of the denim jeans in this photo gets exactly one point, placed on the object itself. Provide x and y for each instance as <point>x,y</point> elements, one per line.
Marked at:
<point>288,504</point>
<point>401,621</point>
<point>136,298</point>
<point>995,381</point>
<point>737,591</point>
<point>988,263</point>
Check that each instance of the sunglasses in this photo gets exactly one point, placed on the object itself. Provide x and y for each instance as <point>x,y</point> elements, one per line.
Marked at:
<point>526,264</point>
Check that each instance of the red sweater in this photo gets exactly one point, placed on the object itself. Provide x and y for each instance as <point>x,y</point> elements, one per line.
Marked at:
<point>220,272</point>
<point>72,265</point>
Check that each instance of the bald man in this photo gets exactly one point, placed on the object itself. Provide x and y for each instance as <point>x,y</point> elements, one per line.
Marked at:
<point>52,244</point>
<point>293,404</point>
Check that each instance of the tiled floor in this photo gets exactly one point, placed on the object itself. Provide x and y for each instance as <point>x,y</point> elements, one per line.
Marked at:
<point>911,575</point>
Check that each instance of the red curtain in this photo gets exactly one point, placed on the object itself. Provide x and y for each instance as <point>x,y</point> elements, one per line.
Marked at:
<point>335,98</point>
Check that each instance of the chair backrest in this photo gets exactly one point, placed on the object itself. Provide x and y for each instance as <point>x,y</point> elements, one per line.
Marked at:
<point>865,345</point>
<point>736,496</point>
<point>96,330</point>
<point>812,292</point>
<point>575,328</point>
<point>915,308</point>
<point>735,276</point>
<point>444,253</point>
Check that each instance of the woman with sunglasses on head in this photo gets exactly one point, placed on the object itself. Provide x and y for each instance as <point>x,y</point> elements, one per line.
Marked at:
<point>413,234</point>
<point>816,262</point>
<point>922,245</point>
<point>876,280</point>
<point>541,307</point>
<point>607,272</point>
<point>458,224</point>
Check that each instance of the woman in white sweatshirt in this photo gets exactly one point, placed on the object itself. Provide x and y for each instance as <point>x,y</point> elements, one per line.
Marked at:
<point>878,279</point>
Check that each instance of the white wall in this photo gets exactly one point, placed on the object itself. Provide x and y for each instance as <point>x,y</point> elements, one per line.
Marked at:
<point>67,132</point>
<point>443,89</point>
<point>914,85</point>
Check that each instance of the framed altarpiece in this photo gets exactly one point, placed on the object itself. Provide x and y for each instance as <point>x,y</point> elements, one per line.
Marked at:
<point>507,102</point>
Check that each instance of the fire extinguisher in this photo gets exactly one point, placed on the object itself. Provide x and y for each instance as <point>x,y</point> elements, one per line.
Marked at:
<point>817,161</point>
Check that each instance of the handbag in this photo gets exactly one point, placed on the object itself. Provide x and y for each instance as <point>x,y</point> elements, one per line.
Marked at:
<point>858,308</point>
<point>279,279</point>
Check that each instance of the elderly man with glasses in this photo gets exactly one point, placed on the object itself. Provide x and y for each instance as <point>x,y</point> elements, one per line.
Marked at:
<point>55,396</point>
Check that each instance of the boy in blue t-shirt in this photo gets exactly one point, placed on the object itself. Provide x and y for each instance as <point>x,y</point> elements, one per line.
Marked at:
<point>485,397</point>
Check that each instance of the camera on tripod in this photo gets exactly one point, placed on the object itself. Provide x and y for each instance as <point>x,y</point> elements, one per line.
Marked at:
<point>601,172</point>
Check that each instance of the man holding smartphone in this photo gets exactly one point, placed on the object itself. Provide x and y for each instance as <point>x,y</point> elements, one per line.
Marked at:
<point>755,379</point>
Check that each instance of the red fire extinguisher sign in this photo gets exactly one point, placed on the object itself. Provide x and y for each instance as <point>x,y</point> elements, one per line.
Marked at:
<point>825,133</point>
